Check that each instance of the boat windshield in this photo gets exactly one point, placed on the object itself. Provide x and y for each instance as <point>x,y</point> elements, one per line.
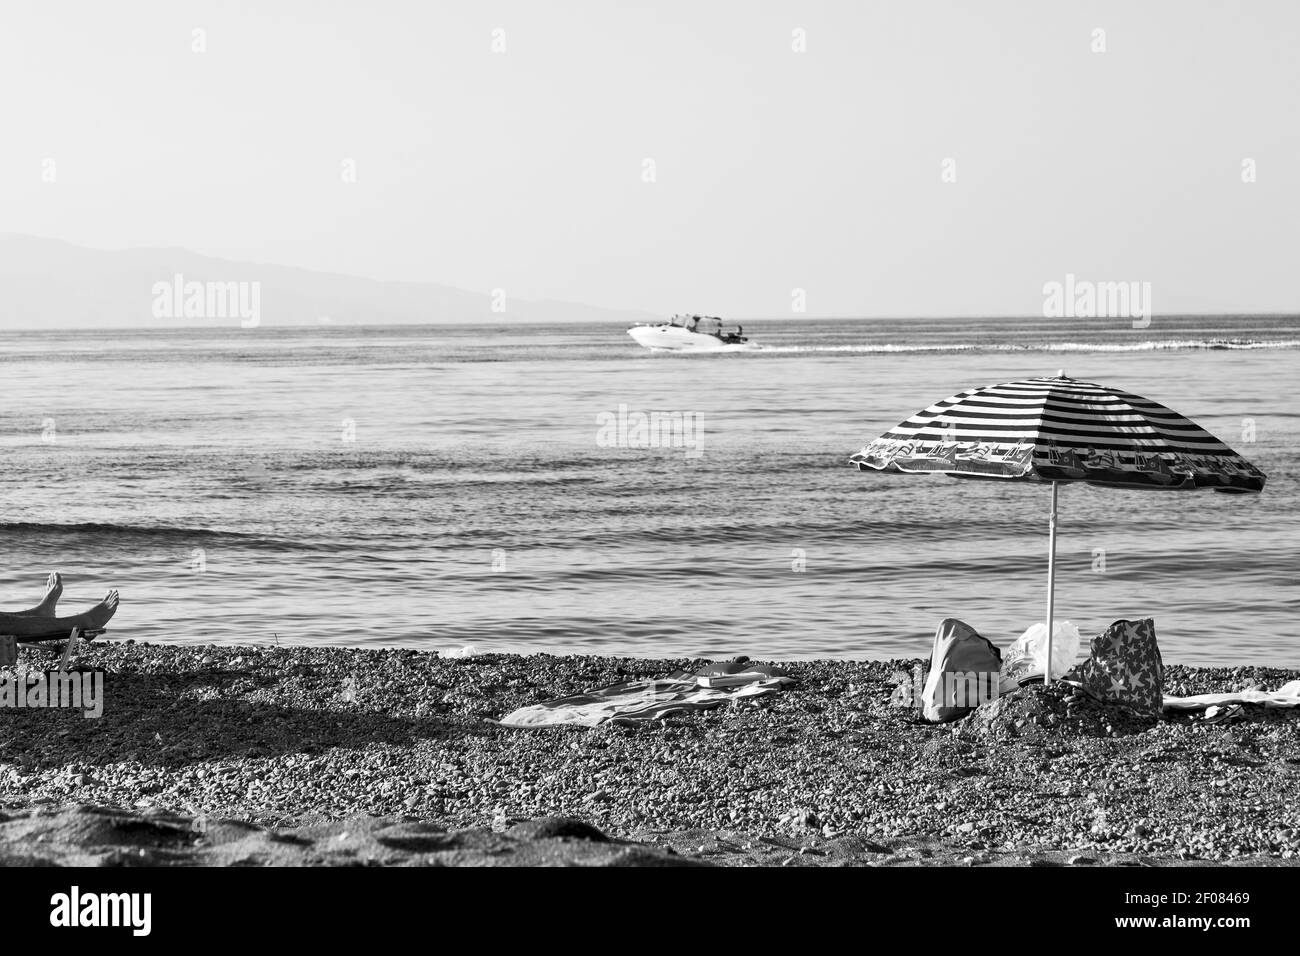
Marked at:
<point>703,323</point>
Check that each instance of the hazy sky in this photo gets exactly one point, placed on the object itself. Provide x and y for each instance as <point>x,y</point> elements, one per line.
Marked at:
<point>774,169</point>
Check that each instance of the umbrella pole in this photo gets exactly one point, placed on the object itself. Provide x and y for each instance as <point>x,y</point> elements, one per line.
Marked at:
<point>1051,582</point>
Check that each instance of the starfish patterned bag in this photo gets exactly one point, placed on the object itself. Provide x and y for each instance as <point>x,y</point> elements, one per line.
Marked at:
<point>1124,667</point>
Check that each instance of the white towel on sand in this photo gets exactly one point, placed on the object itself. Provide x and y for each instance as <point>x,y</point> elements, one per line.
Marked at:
<point>1288,695</point>
<point>634,702</point>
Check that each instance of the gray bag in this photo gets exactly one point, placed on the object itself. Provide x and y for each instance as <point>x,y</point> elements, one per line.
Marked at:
<point>965,671</point>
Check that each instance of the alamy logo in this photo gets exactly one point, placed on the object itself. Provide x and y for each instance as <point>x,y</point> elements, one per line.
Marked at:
<point>179,299</point>
<point>75,690</point>
<point>75,908</point>
<point>1084,299</point>
<point>956,688</point>
<point>626,429</point>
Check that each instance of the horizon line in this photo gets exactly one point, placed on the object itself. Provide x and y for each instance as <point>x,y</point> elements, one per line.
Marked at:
<point>173,324</point>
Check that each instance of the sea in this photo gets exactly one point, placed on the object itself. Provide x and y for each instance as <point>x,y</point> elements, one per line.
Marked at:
<point>496,487</point>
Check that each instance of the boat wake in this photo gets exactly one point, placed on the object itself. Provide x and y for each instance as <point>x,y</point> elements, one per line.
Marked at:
<point>1146,346</point>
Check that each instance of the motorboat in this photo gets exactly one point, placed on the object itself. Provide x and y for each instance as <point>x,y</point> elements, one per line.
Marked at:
<point>690,333</point>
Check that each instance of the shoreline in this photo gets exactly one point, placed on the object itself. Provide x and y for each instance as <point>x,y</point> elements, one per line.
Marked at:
<point>262,754</point>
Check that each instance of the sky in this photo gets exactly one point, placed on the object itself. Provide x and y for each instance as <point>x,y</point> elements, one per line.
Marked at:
<point>731,158</point>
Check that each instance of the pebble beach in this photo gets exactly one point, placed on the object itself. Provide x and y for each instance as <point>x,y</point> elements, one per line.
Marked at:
<point>265,754</point>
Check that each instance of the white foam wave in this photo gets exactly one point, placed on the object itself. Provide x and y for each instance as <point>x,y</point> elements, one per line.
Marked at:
<point>1145,346</point>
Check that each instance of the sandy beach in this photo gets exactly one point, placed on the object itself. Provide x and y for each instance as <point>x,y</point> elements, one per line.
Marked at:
<point>266,755</point>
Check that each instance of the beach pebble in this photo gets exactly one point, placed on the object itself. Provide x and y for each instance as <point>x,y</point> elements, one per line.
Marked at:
<point>284,748</point>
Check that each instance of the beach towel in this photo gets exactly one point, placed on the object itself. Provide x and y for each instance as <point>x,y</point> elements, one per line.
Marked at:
<point>1124,667</point>
<point>1288,695</point>
<point>633,702</point>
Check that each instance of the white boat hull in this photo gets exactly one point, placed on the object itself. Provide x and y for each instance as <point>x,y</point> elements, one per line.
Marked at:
<point>675,338</point>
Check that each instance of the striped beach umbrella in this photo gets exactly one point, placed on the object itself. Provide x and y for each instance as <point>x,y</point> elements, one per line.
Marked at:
<point>1059,430</point>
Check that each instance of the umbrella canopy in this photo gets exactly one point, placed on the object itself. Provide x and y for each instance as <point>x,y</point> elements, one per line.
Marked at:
<point>1060,430</point>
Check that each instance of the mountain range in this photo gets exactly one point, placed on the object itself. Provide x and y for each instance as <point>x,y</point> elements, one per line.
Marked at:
<point>50,283</point>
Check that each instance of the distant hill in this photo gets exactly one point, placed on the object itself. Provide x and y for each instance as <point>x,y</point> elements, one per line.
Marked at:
<point>49,283</point>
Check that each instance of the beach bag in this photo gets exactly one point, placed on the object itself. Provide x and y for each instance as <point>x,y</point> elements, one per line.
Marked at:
<point>1026,658</point>
<point>964,672</point>
<point>1124,667</point>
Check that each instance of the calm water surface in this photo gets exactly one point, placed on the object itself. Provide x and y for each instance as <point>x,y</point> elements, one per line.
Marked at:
<point>444,486</point>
